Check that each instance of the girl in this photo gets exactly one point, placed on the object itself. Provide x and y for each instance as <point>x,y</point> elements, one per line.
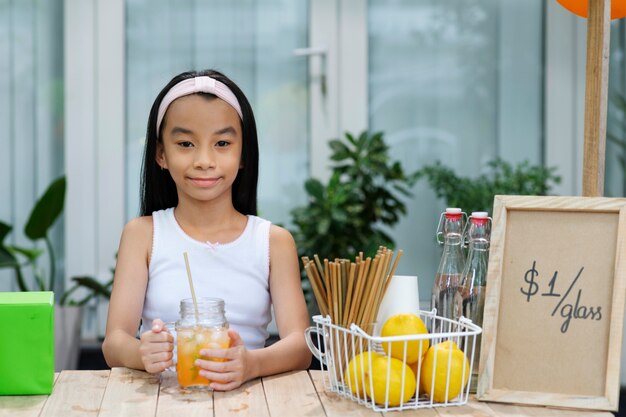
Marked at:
<point>199,181</point>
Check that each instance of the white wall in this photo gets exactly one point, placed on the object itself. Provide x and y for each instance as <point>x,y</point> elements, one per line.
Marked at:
<point>94,137</point>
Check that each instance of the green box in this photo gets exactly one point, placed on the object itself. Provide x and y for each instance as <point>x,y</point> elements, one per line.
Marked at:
<point>27,342</point>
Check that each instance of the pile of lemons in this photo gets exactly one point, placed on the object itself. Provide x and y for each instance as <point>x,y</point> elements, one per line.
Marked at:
<point>399,363</point>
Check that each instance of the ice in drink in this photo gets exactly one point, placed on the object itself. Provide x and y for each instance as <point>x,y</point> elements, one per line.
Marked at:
<point>190,341</point>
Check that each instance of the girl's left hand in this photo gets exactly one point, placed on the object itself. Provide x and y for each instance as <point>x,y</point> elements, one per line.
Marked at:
<point>233,371</point>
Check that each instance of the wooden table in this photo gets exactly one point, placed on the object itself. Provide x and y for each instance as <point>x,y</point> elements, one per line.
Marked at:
<point>125,392</point>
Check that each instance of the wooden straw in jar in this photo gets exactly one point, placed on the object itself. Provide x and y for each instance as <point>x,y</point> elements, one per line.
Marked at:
<point>336,295</point>
<point>358,293</point>
<point>365,282</point>
<point>318,290</point>
<point>368,293</point>
<point>328,289</point>
<point>349,289</point>
<point>387,256</point>
<point>319,264</point>
<point>327,281</point>
<point>393,270</point>
<point>358,273</point>
<point>344,285</point>
<point>336,271</point>
<point>375,287</point>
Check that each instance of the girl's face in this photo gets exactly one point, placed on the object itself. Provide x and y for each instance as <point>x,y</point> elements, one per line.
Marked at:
<point>201,147</point>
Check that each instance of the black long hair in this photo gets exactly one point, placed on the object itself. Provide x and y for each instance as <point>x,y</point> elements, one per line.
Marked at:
<point>158,190</point>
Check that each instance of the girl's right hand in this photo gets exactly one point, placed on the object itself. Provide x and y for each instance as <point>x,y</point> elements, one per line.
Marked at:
<point>156,348</point>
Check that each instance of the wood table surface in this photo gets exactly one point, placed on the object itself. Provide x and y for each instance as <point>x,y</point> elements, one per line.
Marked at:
<point>124,392</point>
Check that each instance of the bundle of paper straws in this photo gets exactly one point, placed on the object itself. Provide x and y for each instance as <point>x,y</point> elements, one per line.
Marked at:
<point>351,292</point>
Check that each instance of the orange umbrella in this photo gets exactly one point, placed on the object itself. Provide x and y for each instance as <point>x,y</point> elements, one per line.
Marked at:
<point>580,7</point>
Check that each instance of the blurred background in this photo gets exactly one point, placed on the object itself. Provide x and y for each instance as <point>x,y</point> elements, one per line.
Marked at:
<point>460,82</point>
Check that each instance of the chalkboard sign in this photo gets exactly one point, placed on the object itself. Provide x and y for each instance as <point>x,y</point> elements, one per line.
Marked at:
<point>556,284</point>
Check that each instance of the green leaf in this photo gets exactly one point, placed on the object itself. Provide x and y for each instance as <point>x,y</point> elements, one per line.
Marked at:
<point>30,254</point>
<point>323,226</point>
<point>5,229</point>
<point>362,141</point>
<point>334,182</point>
<point>339,216</point>
<point>340,151</point>
<point>7,259</point>
<point>402,190</point>
<point>46,210</point>
<point>94,285</point>
<point>314,188</point>
<point>350,138</point>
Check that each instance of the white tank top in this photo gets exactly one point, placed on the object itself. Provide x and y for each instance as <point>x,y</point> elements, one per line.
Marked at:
<point>237,272</point>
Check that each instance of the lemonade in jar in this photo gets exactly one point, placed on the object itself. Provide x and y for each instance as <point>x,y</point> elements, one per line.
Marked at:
<point>205,329</point>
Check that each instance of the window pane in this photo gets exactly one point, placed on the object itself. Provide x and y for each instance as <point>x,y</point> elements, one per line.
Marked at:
<point>31,118</point>
<point>252,43</point>
<point>454,81</point>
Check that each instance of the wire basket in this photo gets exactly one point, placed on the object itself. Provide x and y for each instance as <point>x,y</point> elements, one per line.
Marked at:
<point>380,381</point>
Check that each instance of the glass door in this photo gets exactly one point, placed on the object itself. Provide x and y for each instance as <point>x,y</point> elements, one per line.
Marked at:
<point>250,41</point>
<point>456,82</point>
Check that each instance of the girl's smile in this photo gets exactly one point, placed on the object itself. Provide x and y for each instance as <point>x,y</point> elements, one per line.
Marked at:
<point>204,182</point>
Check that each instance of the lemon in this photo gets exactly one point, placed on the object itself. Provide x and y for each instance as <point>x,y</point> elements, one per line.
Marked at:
<point>450,356</point>
<point>401,325</point>
<point>414,367</point>
<point>388,372</point>
<point>354,372</point>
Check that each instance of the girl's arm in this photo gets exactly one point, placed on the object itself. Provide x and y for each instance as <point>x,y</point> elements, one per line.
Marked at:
<point>292,317</point>
<point>291,351</point>
<point>121,346</point>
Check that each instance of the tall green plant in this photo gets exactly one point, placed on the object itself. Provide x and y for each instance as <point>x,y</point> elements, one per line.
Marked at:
<point>476,194</point>
<point>363,194</point>
<point>96,289</point>
<point>43,216</point>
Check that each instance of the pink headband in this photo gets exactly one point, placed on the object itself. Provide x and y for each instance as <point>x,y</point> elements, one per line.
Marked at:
<point>204,84</point>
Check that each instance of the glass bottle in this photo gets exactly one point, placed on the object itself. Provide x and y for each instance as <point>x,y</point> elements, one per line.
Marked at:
<point>470,297</point>
<point>450,267</point>
<point>205,329</point>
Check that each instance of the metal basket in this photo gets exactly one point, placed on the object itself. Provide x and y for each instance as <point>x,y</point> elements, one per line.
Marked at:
<point>334,346</point>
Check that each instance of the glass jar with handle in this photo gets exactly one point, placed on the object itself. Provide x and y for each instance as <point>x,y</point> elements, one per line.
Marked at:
<point>204,328</point>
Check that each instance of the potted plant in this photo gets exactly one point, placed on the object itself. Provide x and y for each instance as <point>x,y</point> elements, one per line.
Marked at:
<point>362,198</point>
<point>476,194</point>
<point>68,312</point>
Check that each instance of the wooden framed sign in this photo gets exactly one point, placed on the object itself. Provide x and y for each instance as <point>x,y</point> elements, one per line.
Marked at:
<point>554,308</point>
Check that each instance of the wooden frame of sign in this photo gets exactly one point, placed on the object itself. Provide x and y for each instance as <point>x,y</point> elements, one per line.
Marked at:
<point>554,308</point>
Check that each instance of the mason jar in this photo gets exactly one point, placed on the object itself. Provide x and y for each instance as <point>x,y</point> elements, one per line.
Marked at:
<point>205,328</point>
